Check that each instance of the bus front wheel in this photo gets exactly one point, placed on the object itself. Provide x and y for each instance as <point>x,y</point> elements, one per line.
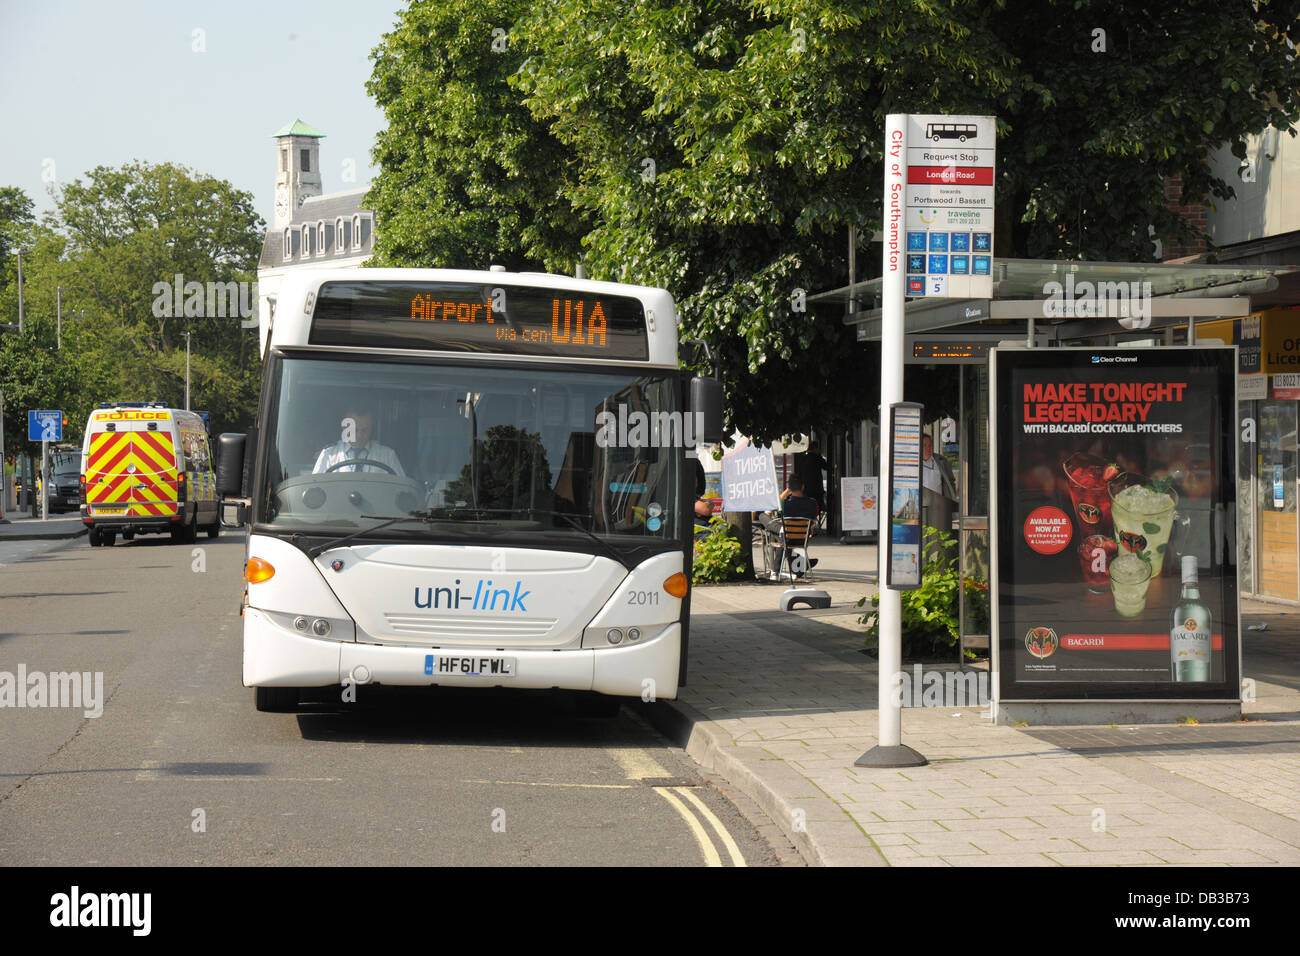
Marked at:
<point>276,700</point>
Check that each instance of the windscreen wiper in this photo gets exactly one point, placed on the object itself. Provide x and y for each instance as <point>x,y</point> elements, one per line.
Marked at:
<point>571,520</point>
<point>385,521</point>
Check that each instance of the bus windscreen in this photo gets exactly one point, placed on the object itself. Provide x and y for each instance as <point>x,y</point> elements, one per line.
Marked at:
<point>473,317</point>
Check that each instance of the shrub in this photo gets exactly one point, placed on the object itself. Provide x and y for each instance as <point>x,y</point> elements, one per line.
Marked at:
<point>717,556</point>
<point>930,613</point>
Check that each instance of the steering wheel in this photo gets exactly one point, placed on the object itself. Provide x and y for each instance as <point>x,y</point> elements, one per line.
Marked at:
<point>360,461</point>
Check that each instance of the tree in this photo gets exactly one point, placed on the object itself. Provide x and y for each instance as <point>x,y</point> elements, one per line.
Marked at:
<point>467,177</point>
<point>116,238</point>
<point>509,471</point>
<point>131,232</point>
<point>722,149</point>
<point>15,217</point>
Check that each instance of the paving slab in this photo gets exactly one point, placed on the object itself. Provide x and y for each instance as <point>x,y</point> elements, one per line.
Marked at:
<point>781,704</point>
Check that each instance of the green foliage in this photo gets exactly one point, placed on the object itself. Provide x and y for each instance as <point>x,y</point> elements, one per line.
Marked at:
<point>467,177</point>
<point>510,471</point>
<point>717,557</point>
<point>722,149</point>
<point>116,237</point>
<point>15,218</point>
<point>930,615</point>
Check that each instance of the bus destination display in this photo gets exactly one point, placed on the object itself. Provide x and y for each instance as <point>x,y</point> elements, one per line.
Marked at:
<point>462,317</point>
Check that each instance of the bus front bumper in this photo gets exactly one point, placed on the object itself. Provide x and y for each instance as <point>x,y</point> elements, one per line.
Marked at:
<point>276,658</point>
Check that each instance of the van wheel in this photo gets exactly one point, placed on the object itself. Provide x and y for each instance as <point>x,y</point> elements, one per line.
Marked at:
<point>107,538</point>
<point>93,537</point>
<point>214,529</point>
<point>128,535</point>
<point>276,700</point>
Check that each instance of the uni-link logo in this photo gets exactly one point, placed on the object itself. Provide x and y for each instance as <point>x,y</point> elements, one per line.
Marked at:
<point>482,598</point>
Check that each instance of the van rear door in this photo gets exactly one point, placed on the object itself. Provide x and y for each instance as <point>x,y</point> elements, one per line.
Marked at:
<point>131,472</point>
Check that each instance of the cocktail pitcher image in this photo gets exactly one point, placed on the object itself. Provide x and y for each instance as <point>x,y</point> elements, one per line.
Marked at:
<point>1086,476</point>
<point>1142,510</point>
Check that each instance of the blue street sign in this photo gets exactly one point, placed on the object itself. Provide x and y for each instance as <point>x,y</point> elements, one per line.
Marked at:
<point>45,426</point>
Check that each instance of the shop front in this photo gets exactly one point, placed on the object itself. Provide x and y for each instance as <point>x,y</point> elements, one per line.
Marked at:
<point>1268,410</point>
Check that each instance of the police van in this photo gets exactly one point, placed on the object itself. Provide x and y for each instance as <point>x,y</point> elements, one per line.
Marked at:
<point>147,469</point>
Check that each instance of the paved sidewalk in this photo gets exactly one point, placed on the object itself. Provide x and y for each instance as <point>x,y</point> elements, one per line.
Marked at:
<point>23,527</point>
<point>782,703</point>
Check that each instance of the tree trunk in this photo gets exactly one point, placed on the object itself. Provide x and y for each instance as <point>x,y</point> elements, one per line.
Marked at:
<point>741,522</point>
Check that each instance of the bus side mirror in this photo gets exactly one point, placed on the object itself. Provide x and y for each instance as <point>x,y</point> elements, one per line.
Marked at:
<point>230,464</point>
<point>234,514</point>
<point>706,402</point>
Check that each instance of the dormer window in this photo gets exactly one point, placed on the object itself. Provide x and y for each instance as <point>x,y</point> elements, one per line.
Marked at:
<point>340,238</point>
<point>306,240</point>
<point>356,231</point>
<point>321,244</point>
<point>288,243</point>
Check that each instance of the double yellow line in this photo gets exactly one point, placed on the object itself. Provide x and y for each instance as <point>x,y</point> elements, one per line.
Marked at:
<point>639,765</point>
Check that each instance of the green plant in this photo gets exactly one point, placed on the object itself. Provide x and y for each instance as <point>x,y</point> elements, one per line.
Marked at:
<point>930,612</point>
<point>717,556</point>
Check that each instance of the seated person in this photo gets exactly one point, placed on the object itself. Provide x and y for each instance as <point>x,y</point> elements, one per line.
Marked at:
<point>363,447</point>
<point>794,504</point>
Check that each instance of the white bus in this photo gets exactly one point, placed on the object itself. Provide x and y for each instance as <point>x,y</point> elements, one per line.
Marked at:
<point>468,479</point>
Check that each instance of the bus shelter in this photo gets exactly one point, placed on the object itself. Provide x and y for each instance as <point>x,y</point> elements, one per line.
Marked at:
<point>1039,304</point>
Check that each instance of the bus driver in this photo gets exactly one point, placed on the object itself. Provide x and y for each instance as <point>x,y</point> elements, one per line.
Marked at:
<point>362,448</point>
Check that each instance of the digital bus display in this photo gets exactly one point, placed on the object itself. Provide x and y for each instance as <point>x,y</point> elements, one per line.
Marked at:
<point>479,317</point>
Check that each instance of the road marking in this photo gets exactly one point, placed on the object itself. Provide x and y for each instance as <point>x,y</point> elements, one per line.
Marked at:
<point>541,783</point>
<point>737,858</point>
<point>638,765</point>
<point>711,857</point>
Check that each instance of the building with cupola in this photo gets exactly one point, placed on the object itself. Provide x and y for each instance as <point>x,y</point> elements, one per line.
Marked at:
<point>310,230</point>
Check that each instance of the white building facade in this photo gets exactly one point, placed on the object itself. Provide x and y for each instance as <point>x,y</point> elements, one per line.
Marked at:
<point>310,230</point>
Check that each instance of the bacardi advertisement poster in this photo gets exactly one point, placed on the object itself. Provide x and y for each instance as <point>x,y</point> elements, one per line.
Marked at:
<point>1115,552</point>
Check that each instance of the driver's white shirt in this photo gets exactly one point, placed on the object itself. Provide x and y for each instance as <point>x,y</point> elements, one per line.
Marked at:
<point>342,451</point>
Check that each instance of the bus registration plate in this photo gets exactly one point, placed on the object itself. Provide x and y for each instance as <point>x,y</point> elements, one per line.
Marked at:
<point>466,666</point>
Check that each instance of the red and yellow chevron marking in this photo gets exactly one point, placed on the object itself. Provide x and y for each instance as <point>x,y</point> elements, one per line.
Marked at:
<point>136,469</point>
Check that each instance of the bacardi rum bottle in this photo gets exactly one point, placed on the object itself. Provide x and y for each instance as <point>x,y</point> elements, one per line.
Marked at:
<point>1189,635</point>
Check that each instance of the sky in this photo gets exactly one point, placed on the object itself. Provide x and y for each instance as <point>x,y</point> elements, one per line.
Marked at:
<point>86,83</point>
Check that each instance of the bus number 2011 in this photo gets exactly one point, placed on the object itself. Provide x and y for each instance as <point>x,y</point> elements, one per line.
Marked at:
<point>643,597</point>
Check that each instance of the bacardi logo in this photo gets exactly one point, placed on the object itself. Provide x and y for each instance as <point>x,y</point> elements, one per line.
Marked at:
<point>1089,512</point>
<point>1133,542</point>
<point>1042,642</point>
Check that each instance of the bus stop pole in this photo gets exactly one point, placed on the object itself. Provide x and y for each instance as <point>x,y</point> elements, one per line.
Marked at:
<point>889,750</point>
